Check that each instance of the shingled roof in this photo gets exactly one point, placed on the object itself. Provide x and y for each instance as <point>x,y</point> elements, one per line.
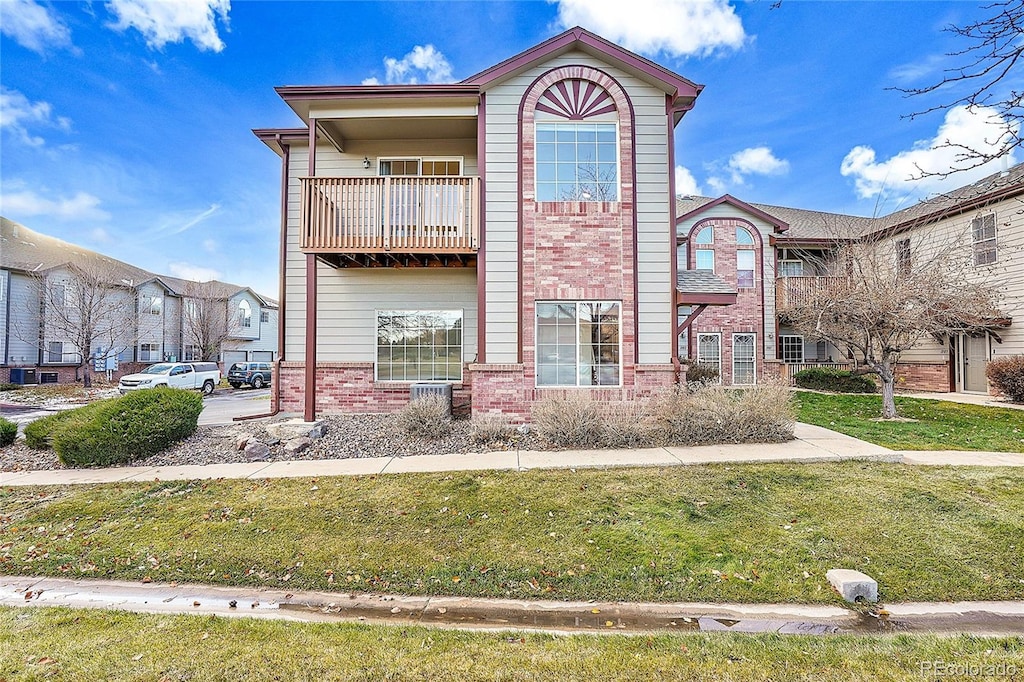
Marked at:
<point>30,251</point>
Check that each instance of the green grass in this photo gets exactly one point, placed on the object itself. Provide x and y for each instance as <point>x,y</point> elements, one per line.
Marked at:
<point>65,644</point>
<point>749,533</point>
<point>940,425</point>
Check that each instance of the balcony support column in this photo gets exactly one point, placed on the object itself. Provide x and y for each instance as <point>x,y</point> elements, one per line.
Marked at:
<point>309,403</point>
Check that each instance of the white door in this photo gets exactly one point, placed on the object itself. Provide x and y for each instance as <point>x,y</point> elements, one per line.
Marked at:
<point>975,358</point>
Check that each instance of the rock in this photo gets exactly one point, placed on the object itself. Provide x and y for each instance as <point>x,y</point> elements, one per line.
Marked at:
<point>242,442</point>
<point>273,441</point>
<point>297,445</point>
<point>853,585</point>
<point>256,451</point>
<point>295,428</point>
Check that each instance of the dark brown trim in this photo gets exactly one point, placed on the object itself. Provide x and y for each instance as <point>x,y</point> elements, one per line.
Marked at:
<point>330,92</point>
<point>311,136</point>
<point>699,298</point>
<point>1006,192</point>
<point>279,138</point>
<point>309,404</point>
<point>481,254</point>
<point>673,246</point>
<point>780,225</point>
<point>681,89</point>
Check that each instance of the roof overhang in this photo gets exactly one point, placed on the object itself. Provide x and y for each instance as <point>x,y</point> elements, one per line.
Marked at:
<point>319,101</point>
<point>779,225</point>
<point>279,138</point>
<point>702,298</point>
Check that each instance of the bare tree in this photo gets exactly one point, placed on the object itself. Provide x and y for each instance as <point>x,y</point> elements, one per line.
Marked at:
<point>989,75</point>
<point>88,308</point>
<point>206,321</point>
<point>888,292</point>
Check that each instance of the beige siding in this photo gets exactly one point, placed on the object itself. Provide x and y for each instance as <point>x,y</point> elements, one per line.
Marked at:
<point>652,206</point>
<point>24,319</point>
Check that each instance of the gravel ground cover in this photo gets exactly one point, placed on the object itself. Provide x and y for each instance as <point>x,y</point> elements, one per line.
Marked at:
<point>345,437</point>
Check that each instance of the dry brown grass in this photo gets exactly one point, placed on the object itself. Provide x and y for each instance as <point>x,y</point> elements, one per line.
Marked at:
<point>428,416</point>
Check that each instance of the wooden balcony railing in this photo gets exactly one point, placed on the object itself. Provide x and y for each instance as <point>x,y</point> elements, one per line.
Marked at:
<point>794,291</point>
<point>432,215</point>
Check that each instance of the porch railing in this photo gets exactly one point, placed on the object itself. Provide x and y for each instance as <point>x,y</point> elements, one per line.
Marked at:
<point>788,369</point>
<point>390,214</point>
<point>794,291</point>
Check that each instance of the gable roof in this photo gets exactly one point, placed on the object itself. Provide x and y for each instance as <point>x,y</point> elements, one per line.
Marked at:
<point>683,90</point>
<point>26,250</point>
<point>780,225</point>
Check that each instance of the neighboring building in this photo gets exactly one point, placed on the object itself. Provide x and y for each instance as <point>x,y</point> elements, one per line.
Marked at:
<point>511,234</point>
<point>789,251</point>
<point>37,270</point>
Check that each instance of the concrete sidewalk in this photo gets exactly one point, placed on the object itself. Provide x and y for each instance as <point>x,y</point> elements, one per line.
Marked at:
<point>812,444</point>
<point>979,618</point>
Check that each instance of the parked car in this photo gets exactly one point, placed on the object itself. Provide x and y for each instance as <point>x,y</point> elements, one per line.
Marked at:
<point>255,374</point>
<point>203,376</point>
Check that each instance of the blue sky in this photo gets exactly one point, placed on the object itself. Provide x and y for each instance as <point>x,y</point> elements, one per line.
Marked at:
<point>125,125</point>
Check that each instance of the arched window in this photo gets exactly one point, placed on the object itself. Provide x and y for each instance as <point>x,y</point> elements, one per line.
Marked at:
<point>743,237</point>
<point>746,259</point>
<point>704,259</point>
<point>244,314</point>
<point>577,148</point>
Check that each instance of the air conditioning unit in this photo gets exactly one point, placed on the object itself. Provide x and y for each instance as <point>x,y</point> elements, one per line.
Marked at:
<point>423,389</point>
<point>22,375</point>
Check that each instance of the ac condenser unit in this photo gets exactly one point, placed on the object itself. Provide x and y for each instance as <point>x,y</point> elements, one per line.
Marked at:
<point>424,389</point>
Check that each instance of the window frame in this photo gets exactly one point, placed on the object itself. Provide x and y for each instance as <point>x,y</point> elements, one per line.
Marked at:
<point>244,320</point>
<point>904,262</point>
<point>264,316</point>
<point>753,358</point>
<point>461,160</point>
<point>752,270</point>
<point>418,311</point>
<point>707,253</point>
<point>576,345</point>
<point>50,353</point>
<point>699,358</point>
<point>785,261</point>
<point>150,349</point>
<point>575,125</point>
<point>782,348</point>
<point>154,306</point>
<point>987,244</point>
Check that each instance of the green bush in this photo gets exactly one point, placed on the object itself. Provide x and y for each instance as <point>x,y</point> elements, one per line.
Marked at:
<point>8,432</point>
<point>834,380</point>
<point>11,387</point>
<point>1007,375</point>
<point>39,434</point>
<point>134,426</point>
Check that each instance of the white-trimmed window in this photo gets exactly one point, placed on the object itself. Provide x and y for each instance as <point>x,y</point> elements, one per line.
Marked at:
<point>577,161</point>
<point>419,345</point>
<point>904,260</point>
<point>153,305</point>
<point>791,268</point>
<point>983,239</point>
<point>744,359</point>
<point>192,353</point>
<point>745,267</point>
<point>55,351</point>
<point>244,314</point>
<point>704,258</point>
<point>149,352</point>
<point>58,296</point>
<point>264,316</point>
<point>579,343</point>
<point>791,348</point>
<point>743,237</point>
<point>428,166</point>
<point>709,351</point>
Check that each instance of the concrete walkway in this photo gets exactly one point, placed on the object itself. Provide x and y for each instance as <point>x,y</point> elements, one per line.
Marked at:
<point>812,444</point>
<point>966,398</point>
<point>980,618</point>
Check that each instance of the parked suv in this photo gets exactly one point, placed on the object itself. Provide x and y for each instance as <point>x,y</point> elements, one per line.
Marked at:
<point>256,374</point>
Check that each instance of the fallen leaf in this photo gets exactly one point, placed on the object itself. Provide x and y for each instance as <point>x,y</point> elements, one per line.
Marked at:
<point>206,635</point>
<point>137,657</point>
<point>147,579</point>
<point>595,610</point>
<point>396,610</point>
<point>46,660</point>
<point>456,578</point>
<point>442,610</point>
<point>195,603</point>
<point>608,623</point>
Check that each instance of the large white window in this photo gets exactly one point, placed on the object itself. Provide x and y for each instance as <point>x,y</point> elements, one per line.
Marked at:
<point>791,348</point>
<point>704,258</point>
<point>744,357</point>
<point>149,352</point>
<point>425,166</point>
<point>791,268</point>
<point>709,351</point>
<point>244,314</point>
<point>578,344</point>
<point>745,268</point>
<point>153,305</point>
<point>55,351</point>
<point>577,161</point>
<point>419,345</point>
<point>983,238</point>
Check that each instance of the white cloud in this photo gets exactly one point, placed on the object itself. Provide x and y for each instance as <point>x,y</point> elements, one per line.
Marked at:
<point>686,184</point>
<point>756,161</point>
<point>196,273</point>
<point>18,113</point>
<point>25,203</point>
<point>100,236</point>
<point>680,28</point>
<point>425,63</point>
<point>172,21</point>
<point>32,25</point>
<point>718,185</point>
<point>901,174</point>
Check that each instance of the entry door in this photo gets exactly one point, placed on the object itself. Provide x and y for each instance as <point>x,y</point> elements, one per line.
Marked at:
<point>975,359</point>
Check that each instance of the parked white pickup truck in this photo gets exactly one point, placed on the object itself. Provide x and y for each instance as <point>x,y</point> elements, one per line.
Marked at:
<point>203,376</point>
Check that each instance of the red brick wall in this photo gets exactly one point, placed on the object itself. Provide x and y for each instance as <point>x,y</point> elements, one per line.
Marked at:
<point>923,377</point>
<point>68,374</point>
<point>746,315</point>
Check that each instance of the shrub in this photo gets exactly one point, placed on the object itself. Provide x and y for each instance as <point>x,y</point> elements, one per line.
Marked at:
<point>490,428</point>
<point>702,374</point>
<point>39,434</point>
<point>428,416</point>
<point>1007,375</point>
<point>8,432</point>
<point>834,380</point>
<point>134,426</point>
<point>576,421</point>
<point>11,387</point>
<point>714,414</point>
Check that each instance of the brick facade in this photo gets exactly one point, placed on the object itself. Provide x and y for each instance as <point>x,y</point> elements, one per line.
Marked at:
<point>69,374</point>
<point>920,376</point>
<point>747,314</point>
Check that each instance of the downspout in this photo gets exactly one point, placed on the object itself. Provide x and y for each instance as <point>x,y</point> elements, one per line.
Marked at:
<point>275,395</point>
<point>7,320</point>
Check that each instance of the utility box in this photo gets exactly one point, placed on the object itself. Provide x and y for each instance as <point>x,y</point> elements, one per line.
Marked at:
<point>423,389</point>
<point>47,377</point>
<point>23,375</point>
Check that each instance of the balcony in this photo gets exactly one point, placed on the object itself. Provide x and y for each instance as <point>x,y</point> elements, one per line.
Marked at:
<point>795,291</point>
<point>387,221</point>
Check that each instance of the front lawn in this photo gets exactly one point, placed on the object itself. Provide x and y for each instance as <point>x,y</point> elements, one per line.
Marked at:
<point>940,425</point>
<point>65,644</point>
<point>744,533</point>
